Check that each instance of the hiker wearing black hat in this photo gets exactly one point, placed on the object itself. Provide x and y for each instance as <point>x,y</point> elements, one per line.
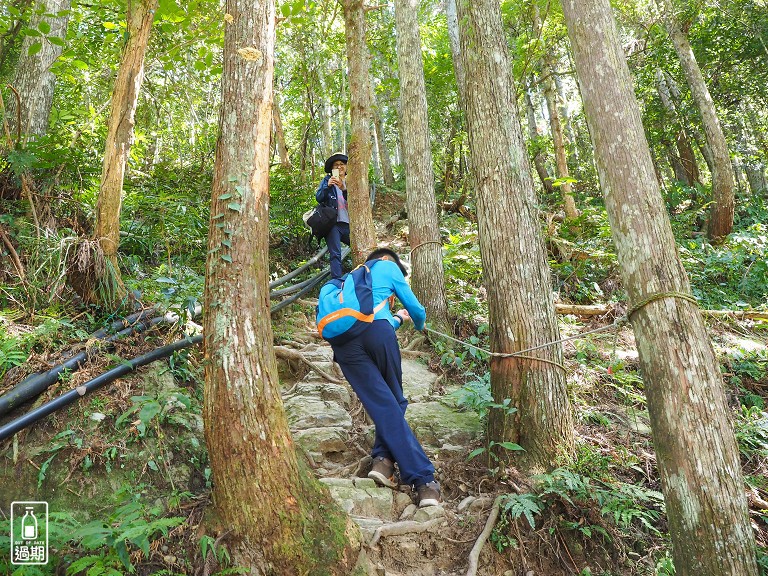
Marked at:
<point>370,361</point>
<point>333,192</point>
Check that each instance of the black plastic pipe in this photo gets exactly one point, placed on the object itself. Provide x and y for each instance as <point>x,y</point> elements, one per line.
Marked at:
<point>291,275</point>
<point>38,382</point>
<point>73,395</point>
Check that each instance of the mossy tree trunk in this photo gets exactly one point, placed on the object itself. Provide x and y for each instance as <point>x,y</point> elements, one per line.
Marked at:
<point>515,270</point>
<point>125,96</point>
<point>362,233</point>
<point>283,522</point>
<point>692,432</point>
<point>423,227</point>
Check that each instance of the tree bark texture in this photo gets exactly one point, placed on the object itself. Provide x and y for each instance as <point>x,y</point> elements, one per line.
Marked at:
<point>260,490</point>
<point>534,138</point>
<point>33,79</point>
<point>361,228</point>
<point>125,97</point>
<point>515,270</point>
<point>721,213</point>
<point>428,281</point>
<point>693,436</point>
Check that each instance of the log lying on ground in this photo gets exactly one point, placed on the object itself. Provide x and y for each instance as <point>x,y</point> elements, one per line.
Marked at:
<point>602,309</point>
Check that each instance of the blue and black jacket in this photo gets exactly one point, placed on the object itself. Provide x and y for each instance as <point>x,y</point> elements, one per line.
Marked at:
<point>328,195</point>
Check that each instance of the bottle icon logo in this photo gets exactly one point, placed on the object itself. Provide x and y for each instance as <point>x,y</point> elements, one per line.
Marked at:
<point>29,524</point>
<point>29,533</point>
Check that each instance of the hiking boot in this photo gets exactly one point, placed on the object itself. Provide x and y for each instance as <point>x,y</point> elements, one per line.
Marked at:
<point>429,494</point>
<point>383,472</point>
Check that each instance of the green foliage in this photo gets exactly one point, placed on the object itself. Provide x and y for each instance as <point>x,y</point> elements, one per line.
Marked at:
<point>475,394</point>
<point>12,352</point>
<point>627,506</point>
<point>60,527</point>
<point>169,407</point>
<point>461,261</point>
<point>132,525</point>
<point>751,429</point>
<point>582,258</point>
<point>733,274</point>
<point>290,195</point>
<point>165,217</point>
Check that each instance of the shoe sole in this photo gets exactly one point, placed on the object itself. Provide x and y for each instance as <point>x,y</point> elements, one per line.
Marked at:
<point>428,502</point>
<point>381,480</point>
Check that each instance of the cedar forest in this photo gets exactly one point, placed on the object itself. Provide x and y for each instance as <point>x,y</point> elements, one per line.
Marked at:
<point>579,188</point>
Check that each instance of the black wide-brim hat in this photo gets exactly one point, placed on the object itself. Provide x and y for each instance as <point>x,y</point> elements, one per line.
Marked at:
<point>334,158</point>
<point>379,252</point>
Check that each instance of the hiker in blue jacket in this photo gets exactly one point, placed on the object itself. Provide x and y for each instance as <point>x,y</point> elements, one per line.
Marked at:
<point>333,192</point>
<point>371,364</point>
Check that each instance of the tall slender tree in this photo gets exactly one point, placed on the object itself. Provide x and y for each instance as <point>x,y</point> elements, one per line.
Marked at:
<point>33,79</point>
<point>423,227</point>
<point>693,436</point>
<point>283,522</point>
<point>723,179</point>
<point>515,270</point>
<point>361,228</point>
<point>556,126</point>
<point>125,97</point>
<point>534,137</point>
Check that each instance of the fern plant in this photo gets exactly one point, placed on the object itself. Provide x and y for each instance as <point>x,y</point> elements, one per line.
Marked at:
<point>132,525</point>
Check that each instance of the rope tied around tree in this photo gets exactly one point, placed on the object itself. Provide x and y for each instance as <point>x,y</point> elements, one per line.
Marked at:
<point>615,325</point>
<point>424,243</point>
<point>659,296</point>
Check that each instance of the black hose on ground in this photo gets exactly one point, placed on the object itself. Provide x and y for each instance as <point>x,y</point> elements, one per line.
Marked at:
<point>291,275</point>
<point>38,382</point>
<point>72,396</point>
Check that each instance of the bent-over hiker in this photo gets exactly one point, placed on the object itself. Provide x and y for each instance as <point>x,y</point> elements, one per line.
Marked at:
<point>370,362</point>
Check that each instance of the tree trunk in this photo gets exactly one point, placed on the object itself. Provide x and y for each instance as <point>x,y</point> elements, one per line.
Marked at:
<point>721,214</point>
<point>692,433</point>
<point>556,128</point>
<point>534,136</point>
<point>282,521</point>
<point>515,270</point>
<point>277,122</point>
<point>428,281</point>
<point>326,114</point>
<point>381,143</point>
<point>33,79</point>
<point>453,39</point>
<point>674,161</point>
<point>125,97</point>
<point>685,154</point>
<point>362,232</point>
<point>450,159</point>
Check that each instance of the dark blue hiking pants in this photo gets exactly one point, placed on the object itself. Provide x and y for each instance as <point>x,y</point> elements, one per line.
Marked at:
<point>338,234</point>
<point>371,364</point>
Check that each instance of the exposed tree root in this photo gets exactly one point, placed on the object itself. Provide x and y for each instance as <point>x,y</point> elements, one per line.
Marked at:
<point>288,354</point>
<point>474,555</point>
<point>406,527</point>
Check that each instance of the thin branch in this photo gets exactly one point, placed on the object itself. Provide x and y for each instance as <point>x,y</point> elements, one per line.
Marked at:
<point>14,255</point>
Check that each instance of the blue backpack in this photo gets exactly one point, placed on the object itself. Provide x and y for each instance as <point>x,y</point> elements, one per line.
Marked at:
<point>345,305</point>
